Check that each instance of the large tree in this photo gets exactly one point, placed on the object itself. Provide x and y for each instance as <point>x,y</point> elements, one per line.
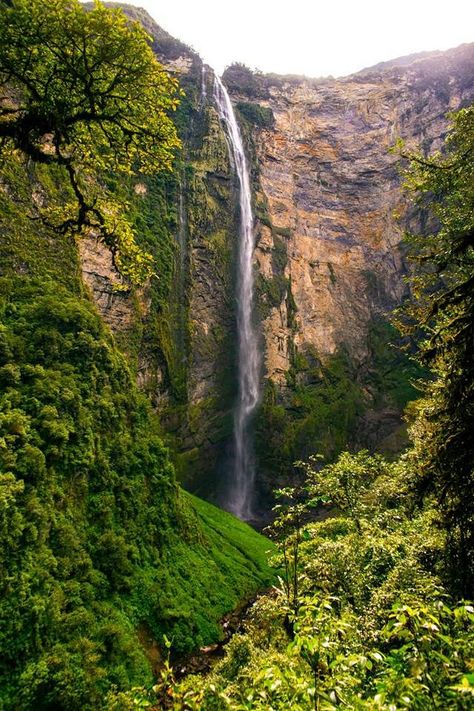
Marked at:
<point>443,310</point>
<point>83,90</point>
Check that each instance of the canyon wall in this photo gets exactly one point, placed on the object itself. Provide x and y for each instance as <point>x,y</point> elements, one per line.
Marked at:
<point>329,260</point>
<point>331,187</point>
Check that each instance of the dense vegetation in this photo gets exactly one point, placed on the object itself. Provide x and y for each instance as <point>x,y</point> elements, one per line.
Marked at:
<point>376,556</point>
<point>362,619</point>
<point>325,402</point>
<point>97,540</point>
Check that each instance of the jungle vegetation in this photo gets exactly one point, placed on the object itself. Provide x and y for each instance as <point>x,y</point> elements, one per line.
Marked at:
<point>376,556</point>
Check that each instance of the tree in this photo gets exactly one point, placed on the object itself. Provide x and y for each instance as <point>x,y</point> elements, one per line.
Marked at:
<point>287,530</point>
<point>83,90</point>
<point>344,483</point>
<point>442,308</point>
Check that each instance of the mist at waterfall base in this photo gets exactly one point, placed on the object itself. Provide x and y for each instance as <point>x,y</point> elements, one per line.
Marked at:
<point>238,495</point>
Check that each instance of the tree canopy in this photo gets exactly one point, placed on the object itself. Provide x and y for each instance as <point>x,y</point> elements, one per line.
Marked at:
<point>83,90</point>
<point>443,308</point>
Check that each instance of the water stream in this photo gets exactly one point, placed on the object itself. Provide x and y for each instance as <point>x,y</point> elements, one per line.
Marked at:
<point>203,85</point>
<point>240,492</point>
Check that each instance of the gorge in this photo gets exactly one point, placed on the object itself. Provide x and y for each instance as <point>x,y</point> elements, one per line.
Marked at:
<point>236,375</point>
<point>329,263</point>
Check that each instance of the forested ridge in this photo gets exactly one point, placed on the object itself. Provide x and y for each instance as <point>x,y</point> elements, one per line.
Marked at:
<point>110,574</point>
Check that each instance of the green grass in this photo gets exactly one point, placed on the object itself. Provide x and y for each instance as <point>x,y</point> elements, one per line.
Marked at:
<point>203,578</point>
<point>236,541</point>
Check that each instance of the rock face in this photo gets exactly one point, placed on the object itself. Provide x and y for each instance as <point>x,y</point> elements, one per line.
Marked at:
<point>332,187</point>
<point>330,218</point>
<point>180,330</point>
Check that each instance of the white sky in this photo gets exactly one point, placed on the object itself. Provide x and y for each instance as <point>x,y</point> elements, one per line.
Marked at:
<point>313,37</point>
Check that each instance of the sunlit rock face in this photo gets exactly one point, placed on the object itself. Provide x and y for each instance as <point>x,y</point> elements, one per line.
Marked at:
<point>328,261</point>
<point>332,188</point>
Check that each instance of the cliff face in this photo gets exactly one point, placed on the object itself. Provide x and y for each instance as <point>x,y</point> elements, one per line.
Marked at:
<point>330,218</point>
<point>179,329</point>
<point>331,187</point>
<point>329,258</point>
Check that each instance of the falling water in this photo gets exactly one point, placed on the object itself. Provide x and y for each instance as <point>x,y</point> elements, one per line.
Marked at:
<point>241,487</point>
<point>203,85</point>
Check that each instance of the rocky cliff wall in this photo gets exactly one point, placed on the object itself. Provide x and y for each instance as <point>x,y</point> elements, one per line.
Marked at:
<point>331,186</point>
<point>329,260</point>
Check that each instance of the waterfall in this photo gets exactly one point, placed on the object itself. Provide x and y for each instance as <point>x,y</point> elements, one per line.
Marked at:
<point>240,493</point>
<point>203,85</point>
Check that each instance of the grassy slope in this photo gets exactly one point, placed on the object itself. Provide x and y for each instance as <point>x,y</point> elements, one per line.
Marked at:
<point>209,576</point>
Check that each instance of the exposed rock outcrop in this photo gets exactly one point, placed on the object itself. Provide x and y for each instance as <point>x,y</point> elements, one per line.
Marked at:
<point>332,186</point>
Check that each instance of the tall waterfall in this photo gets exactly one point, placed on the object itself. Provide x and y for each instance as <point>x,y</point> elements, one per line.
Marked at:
<point>203,85</point>
<point>240,494</point>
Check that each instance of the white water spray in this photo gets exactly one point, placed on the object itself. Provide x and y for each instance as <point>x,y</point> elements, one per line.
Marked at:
<point>240,493</point>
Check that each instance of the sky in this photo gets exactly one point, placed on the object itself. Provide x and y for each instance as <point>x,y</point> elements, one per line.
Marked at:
<point>312,37</point>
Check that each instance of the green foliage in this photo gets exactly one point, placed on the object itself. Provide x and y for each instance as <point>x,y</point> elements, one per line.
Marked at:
<point>344,483</point>
<point>83,91</point>
<point>89,494</point>
<point>443,310</point>
<point>96,540</point>
<point>203,574</point>
<point>325,400</point>
<point>242,80</point>
<point>373,627</point>
<point>26,245</point>
<point>261,116</point>
<point>394,372</point>
<point>273,290</point>
<point>287,529</point>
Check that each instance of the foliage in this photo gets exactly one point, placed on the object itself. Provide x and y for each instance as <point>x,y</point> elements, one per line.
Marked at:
<point>97,542</point>
<point>288,530</point>
<point>322,406</point>
<point>240,79</point>
<point>373,628</point>
<point>319,413</point>
<point>83,90</point>
<point>443,310</point>
<point>261,116</point>
<point>394,373</point>
<point>345,482</point>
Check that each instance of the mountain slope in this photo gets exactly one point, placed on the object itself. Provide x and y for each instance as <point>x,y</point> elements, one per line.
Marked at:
<point>101,553</point>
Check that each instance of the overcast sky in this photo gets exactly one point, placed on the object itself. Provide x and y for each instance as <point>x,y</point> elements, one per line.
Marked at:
<point>313,37</point>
